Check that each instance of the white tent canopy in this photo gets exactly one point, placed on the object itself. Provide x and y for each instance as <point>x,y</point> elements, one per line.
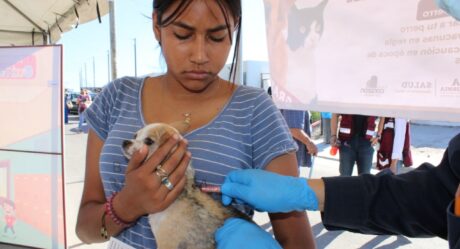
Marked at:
<point>37,22</point>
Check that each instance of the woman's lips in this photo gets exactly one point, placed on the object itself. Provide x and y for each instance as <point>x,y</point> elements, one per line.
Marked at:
<point>197,75</point>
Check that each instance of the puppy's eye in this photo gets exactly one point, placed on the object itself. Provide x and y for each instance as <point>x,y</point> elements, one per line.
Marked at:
<point>148,141</point>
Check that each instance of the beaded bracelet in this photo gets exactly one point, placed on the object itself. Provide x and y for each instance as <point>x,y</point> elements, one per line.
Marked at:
<point>104,233</point>
<point>111,212</point>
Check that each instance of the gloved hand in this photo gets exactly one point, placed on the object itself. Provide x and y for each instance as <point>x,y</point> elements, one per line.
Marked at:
<point>452,7</point>
<point>237,233</point>
<point>267,191</point>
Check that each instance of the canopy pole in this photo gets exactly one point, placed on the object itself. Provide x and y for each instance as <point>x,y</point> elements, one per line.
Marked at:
<point>113,43</point>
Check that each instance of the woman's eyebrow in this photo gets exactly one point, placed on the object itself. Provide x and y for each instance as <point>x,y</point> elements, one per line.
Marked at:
<point>211,30</point>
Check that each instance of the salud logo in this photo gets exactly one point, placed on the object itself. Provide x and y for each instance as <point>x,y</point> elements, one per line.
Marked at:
<point>425,87</point>
<point>453,89</point>
<point>372,87</point>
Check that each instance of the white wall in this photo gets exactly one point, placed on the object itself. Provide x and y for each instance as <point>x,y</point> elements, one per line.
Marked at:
<point>252,70</point>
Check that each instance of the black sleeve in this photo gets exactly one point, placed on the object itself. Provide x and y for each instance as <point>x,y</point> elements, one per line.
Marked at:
<point>412,204</point>
<point>453,227</point>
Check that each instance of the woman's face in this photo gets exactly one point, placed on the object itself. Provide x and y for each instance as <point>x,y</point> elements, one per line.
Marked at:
<point>195,45</point>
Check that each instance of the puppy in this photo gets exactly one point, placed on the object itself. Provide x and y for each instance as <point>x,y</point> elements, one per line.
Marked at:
<point>191,220</point>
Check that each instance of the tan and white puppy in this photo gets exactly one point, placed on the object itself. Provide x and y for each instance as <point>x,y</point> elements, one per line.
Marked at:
<point>191,220</point>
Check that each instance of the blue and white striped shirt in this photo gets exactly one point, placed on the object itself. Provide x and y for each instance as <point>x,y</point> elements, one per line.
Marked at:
<point>248,133</point>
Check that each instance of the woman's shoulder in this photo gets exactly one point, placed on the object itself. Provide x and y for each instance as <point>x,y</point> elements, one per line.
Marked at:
<point>122,86</point>
<point>126,82</point>
<point>249,92</point>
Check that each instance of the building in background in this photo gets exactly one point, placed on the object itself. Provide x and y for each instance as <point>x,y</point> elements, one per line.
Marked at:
<point>255,73</point>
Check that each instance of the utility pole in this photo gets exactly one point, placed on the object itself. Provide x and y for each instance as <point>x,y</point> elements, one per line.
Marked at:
<point>108,66</point>
<point>135,58</point>
<point>81,77</point>
<point>86,77</point>
<point>94,73</point>
<point>113,43</point>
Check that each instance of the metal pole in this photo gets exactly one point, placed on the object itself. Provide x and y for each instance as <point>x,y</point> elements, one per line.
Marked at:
<point>86,77</point>
<point>81,77</point>
<point>135,58</point>
<point>108,66</point>
<point>113,43</point>
<point>94,73</point>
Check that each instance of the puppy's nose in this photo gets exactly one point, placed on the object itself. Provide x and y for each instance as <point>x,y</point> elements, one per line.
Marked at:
<point>126,143</point>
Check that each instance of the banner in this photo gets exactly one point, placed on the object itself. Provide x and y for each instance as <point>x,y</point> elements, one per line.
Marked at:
<point>384,58</point>
<point>31,159</point>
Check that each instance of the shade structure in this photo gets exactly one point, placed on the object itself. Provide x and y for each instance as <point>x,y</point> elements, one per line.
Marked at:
<point>39,22</point>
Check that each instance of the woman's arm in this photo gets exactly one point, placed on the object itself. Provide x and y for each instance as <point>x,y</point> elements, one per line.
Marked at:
<point>334,127</point>
<point>303,137</point>
<point>89,221</point>
<point>292,230</point>
<point>149,197</point>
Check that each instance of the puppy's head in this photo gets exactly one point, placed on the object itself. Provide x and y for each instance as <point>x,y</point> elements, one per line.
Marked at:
<point>152,135</point>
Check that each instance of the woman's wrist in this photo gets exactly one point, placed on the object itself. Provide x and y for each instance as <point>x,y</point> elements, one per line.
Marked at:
<point>124,213</point>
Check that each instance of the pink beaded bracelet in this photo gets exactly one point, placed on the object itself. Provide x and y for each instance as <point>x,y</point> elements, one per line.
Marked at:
<point>111,212</point>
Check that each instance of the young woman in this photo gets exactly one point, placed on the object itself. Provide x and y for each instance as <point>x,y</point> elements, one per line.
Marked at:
<point>231,127</point>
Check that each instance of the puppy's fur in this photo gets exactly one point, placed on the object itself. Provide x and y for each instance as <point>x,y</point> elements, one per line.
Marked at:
<point>191,220</point>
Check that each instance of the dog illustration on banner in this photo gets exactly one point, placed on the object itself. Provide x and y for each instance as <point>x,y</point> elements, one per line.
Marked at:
<point>294,29</point>
<point>192,219</point>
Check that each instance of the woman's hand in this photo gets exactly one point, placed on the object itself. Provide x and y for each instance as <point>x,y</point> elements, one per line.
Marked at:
<point>312,149</point>
<point>143,192</point>
<point>237,233</point>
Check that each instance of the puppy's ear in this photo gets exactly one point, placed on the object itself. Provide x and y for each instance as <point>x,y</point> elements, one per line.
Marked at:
<point>164,132</point>
<point>181,126</point>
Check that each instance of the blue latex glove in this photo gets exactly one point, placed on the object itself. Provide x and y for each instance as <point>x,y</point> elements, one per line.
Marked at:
<point>238,233</point>
<point>452,7</point>
<point>267,191</point>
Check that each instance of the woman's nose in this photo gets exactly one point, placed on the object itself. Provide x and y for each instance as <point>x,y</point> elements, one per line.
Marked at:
<point>199,53</point>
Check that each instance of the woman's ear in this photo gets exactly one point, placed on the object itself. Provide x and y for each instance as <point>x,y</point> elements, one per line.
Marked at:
<point>156,27</point>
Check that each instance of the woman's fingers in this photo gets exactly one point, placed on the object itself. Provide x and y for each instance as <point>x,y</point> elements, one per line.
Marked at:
<point>175,176</point>
<point>173,160</point>
<point>179,173</point>
<point>137,159</point>
<point>162,152</point>
<point>172,195</point>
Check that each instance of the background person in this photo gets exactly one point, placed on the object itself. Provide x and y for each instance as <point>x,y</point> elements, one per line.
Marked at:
<point>394,150</point>
<point>83,102</point>
<point>326,126</point>
<point>231,127</point>
<point>300,128</point>
<point>67,106</point>
<point>354,135</point>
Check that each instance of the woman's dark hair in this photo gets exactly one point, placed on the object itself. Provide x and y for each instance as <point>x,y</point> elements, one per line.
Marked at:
<point>226,6</point>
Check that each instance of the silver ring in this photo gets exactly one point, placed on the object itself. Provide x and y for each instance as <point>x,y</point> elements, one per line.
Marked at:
<point>161,172</point>
<point>168,184</point>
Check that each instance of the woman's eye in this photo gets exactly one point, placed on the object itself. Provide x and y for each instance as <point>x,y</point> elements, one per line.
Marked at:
<point>182,37</point>
<point>217,39</point>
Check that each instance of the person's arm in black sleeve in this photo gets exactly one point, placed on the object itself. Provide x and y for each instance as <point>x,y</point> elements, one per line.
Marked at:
<point>453,217</point>
<point>412,204</point>
<point>453,224</point>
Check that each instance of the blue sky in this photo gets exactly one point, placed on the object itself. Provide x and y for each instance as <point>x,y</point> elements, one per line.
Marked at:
<point>91,40</point>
